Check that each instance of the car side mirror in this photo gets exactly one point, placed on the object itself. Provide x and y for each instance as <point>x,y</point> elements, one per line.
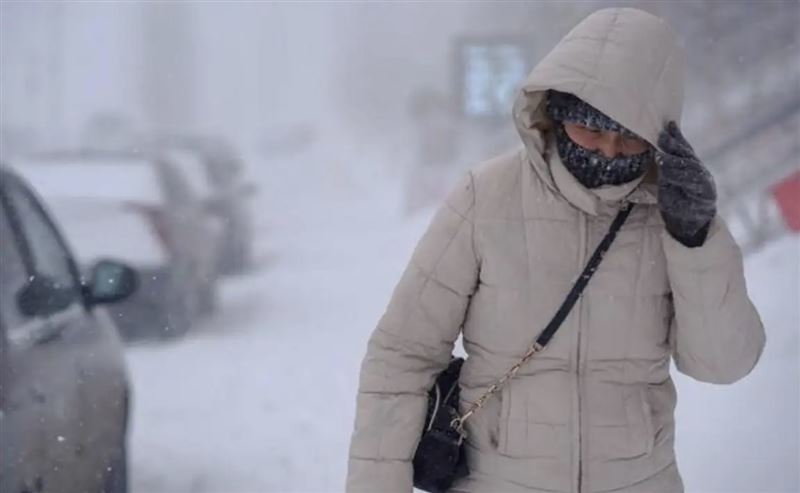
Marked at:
<point>111,282</point>
<point>43,296</point>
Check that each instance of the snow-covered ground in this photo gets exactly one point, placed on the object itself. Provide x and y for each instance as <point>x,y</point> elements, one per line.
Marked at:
<point>260,399</point>
<point>744,437</point>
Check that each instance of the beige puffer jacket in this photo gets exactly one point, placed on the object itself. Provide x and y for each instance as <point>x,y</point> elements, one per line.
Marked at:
<point>594,411</point>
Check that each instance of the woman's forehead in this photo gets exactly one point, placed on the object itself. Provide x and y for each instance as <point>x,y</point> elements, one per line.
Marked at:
<point>568,108</point>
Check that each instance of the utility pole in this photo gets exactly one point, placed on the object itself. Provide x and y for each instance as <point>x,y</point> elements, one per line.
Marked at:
<point>53,117</point>
<point>168,66</point>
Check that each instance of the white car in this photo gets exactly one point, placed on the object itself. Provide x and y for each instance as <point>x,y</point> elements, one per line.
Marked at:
<point>217,175</point>
<point>64,388</point>
<point>141,210</point>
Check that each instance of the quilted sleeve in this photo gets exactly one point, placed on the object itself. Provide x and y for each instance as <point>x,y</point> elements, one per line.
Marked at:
<point>716,334</point>
<point>411,345</point>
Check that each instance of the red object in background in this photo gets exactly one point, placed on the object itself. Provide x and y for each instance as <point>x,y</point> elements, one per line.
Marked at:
<point>787,195</point>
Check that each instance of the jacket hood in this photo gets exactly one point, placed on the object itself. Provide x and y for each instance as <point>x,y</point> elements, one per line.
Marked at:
<point>625,62</point>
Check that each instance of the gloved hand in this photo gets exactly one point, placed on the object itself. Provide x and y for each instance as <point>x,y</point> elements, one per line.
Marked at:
<point>687,196</point>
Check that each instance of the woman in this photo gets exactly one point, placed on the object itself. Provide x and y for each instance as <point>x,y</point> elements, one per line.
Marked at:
<point>594,410</point>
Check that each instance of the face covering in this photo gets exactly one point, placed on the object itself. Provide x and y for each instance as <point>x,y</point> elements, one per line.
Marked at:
<point>591,168</point>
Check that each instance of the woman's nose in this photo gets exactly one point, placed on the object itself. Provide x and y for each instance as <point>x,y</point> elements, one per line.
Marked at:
<point>610,148</point>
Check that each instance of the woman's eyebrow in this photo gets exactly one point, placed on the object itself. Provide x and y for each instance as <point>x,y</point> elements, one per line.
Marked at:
<point>629,135</point>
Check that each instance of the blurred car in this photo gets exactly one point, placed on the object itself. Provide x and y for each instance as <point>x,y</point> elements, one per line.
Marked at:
<point>64,390</point>
<point>217,175</point>
<point>139,209</point>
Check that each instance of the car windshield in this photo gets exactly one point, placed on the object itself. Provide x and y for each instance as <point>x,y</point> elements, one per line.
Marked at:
<point>88,197</point>
<point>110,178</point>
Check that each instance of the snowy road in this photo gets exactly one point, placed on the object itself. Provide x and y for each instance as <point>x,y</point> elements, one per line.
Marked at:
<point>260,399</point>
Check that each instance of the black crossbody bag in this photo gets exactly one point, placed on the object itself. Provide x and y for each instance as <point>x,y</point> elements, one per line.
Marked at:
<point>440,456</point>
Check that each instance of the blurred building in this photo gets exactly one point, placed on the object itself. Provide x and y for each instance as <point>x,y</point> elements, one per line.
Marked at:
<point>742,109</point>
<point>60,64</point>
<point>74,72</point>
<point>168,66</point>
<point>344,77</point>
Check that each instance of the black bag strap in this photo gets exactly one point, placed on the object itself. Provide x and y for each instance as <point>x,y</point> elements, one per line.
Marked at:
<point>558,318</point>
<point>586,275</point>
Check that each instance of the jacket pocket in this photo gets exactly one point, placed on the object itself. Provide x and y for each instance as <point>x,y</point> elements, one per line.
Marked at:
<point>502,424</point>
<point>640,424</point>
<point>483,428</point>
<point>629,437</point>
<point>521,435</point>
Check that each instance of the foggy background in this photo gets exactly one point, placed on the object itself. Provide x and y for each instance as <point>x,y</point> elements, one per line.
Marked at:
<point>350,121</point>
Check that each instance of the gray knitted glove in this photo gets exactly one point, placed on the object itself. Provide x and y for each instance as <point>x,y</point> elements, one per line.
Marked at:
<point>687,195</point>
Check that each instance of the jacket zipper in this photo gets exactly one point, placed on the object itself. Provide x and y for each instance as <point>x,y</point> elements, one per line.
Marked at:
<point>585,246</point>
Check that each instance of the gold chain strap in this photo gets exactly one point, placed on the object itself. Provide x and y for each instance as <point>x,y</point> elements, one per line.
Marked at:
<point>458,423</point>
